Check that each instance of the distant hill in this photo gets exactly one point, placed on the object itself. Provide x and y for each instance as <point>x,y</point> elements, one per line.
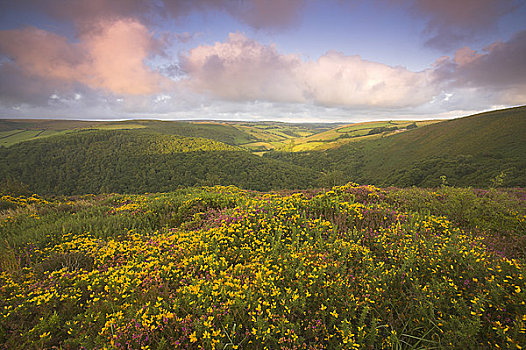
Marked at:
<point>469,151</point>
<point>135,161</point>
<point>482,150</point>
<point>342,135</point>
<point>248,134</point>
<point>14,131</point>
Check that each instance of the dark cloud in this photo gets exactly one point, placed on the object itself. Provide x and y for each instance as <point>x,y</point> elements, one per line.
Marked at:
<point>260,14</point>
<point>17,88</point>
<point>499,67</point>
<point>452,22</point>
<point>264,14</point>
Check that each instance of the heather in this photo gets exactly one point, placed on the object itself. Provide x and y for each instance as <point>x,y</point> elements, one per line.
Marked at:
<point>220,267</point>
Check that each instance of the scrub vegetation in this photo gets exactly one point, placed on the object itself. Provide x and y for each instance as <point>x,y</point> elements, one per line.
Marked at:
<point>164,235</point>
<point>220,267</point>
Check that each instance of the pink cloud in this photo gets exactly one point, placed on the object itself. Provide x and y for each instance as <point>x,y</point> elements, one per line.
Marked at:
<point>110,57</point>
<point>243,69</point>
<point>465,56</point>
<point>337,79</point>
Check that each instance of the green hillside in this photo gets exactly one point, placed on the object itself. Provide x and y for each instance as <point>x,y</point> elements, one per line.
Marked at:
<point>15,131</point>
<point>138,161</point>
<point>143,155</point>
<point>470,151</point>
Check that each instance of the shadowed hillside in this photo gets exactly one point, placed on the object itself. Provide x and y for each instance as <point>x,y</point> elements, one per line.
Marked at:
<point>135,161</point>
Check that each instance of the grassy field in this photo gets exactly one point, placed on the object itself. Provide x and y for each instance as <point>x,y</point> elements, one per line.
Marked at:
<point>253,136</point>
<point>248,134</point>
<point>219,267</point>
<point>339,136</point>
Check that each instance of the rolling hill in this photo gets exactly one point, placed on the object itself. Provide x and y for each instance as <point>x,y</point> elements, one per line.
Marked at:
<point>249,135</point>
<point>135,161</point>
<point>469,151</point>
<point>342,135</point>
<point>149,156</point>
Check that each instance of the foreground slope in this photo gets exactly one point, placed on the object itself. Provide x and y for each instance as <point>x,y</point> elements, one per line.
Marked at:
<point>353,267</point>
<point>136,161</point>
<point>470,151</point>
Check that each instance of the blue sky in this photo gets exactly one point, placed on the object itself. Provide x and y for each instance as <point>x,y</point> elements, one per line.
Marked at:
<point>294,60</point>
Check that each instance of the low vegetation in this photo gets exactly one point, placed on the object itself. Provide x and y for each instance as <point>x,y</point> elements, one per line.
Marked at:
<point>219,267</point>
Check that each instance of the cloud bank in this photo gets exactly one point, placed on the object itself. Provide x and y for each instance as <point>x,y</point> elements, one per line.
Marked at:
<point>110,57</point>
<point>243,69</point>
<point>496,69</point>
<point>259,14</point>
<point>452,22</point>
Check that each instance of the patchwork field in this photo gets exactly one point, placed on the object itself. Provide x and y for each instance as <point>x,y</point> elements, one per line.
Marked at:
<point>253,136</point>
<point>339,136</point>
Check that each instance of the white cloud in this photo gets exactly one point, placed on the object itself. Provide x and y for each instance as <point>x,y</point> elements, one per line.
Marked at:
<point>243,69</point>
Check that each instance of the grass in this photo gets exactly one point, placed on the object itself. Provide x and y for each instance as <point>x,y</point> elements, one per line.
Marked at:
<point>339,136</point>
<point>491,137</point>
<point>10,138</point>
<point>250,135</point>
<point>219,267</point>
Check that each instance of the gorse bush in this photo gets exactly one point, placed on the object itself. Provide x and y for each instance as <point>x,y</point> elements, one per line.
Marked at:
<point>219,267</point>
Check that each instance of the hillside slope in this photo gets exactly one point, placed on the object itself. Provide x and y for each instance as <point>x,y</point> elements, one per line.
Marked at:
<point>136,161</point>
<point>248,134</point>
<point>339,136</point>
<point>13,131</point>
<point>469,151</point>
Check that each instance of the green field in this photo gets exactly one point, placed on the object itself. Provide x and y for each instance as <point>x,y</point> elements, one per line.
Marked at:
<point>253,136</point>
<point>339,136</point>
<point>481,150</point>
<point>478,150</point>
<point>248,134</point>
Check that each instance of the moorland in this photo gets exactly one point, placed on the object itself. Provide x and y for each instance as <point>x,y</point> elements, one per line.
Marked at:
<point>251,235</point>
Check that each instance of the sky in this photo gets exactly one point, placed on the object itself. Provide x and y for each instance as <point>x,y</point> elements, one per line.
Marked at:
<point>283,60</point>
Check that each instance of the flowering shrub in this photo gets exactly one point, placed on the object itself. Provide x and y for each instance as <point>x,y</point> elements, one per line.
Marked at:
<point>336,269</point>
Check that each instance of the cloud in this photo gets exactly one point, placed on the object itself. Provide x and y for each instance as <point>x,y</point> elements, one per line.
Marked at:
<point>453,22</point>
<point>17,88</point>
<point>498,69</point>
<point>243,69</point>
<point>111,56</point>
<point>339,80</point>
<point>260,14</point>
